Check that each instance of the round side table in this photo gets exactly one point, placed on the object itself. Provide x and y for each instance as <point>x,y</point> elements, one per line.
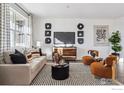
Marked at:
<point>60,72</point>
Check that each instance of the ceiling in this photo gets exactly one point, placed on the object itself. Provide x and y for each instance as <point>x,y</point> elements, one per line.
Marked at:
<point>76,10</point>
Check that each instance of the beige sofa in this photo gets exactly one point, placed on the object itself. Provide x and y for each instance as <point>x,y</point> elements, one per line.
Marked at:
<point>21,74</point>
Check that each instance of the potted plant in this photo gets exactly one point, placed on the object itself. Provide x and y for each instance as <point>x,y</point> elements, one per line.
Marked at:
<point>115,41</point>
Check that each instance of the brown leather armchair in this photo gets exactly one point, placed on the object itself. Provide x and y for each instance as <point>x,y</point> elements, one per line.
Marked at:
<point>104,69</point>
<point>87,60</point>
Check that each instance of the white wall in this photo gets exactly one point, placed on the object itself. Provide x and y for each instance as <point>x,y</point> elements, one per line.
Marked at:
<point>70,24</point>
<point>119,25</point>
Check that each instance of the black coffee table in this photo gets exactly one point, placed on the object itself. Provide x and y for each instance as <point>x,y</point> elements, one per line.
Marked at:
<point>60,72</point>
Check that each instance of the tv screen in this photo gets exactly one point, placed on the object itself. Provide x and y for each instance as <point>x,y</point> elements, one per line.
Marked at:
<point>64,37</point>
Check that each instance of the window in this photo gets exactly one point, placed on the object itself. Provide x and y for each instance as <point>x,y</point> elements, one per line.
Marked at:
<point>20,35</point>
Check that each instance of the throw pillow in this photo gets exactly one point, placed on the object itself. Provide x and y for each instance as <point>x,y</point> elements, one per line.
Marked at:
<point>35,54</point>
<point>18,52</point>
<point>7,58</point>
<point>18,59</point>
<point>37,50</point>
<point>28,57</point>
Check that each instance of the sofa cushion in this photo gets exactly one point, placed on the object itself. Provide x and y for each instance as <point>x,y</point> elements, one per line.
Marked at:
<point>7,58</point>
<point>36,63</point>
<point>39,59</point>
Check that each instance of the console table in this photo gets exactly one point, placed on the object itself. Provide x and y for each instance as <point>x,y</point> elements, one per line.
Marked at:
<point>68,53</point>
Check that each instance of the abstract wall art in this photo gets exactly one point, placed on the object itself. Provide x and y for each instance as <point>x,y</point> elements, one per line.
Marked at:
<point>101,35</point>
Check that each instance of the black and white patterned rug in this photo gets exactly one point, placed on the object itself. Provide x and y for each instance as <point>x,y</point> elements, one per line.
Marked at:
<point>79,74</point>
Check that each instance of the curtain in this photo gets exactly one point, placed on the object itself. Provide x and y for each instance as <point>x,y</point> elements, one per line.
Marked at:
<point>5,35</point>
<point>30,28</point>
<point>4,29</point>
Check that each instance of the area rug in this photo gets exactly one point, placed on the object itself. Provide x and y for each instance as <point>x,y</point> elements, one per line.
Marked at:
<point>79,74</point>
<point>120,73</point>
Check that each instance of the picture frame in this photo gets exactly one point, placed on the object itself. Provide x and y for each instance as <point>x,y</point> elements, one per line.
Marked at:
<point>80,33</point>
<point>80,26</point>
<point>101,35</point>
<point>47,33</point>
<point>80,40</point>
<point>47,40</point>
<point>48,25</point>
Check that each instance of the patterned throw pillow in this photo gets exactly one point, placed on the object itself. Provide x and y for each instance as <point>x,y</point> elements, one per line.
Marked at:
<point>31,54</point>
<point>28,57</point>
<point>35,54</point>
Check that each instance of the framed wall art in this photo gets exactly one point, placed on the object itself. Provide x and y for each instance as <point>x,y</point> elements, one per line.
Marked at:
<point>80,40</point>
<point>101,35</point>
<point>47,40</point>
<point>48,25</point>
<point>47,33</point>
<point>80,26</point>
<point>80,33</point>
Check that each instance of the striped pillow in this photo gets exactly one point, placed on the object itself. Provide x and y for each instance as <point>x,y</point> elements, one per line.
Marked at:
<point>35,54</point>
<point>29,57</point>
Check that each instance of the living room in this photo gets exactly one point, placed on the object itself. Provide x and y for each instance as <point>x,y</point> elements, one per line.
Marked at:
<point>79,28</point>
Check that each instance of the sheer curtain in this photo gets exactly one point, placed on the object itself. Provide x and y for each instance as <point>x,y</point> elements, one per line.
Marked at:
<point>20,25</point>
<point>4,29</point>
<point>9,36</point>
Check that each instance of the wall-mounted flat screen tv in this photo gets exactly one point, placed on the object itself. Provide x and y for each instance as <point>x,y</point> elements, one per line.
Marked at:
<point>64,37</point>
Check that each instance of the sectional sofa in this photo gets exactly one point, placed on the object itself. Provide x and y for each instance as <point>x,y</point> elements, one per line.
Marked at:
<point>21,74</point>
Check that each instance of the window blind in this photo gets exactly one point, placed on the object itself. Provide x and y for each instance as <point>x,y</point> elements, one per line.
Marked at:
<point>4,28</point>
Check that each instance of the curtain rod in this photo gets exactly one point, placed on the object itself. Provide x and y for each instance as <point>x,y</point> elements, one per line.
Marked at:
<point>22,9</point>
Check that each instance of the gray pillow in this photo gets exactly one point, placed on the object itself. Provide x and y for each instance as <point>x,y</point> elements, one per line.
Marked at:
<point>2,61</point>
<point>7,58</point>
